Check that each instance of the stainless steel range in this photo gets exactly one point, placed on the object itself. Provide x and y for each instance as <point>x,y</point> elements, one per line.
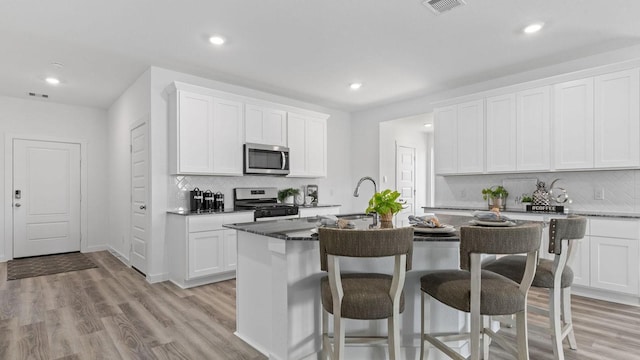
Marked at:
<point>264,202</point>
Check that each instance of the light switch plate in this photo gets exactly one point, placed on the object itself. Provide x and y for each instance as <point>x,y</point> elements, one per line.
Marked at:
<point>598,194</point>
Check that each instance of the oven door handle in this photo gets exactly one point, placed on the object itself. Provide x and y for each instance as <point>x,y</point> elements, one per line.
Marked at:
<point>284,160</point>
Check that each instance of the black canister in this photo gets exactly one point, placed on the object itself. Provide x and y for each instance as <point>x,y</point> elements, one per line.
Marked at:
<point>208,200</point>
<point>218,201</point>
<point>196,199</point>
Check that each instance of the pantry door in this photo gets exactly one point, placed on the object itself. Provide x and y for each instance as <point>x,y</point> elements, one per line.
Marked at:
<point>46,197</point>
<point>406,182</point>
<point>139,198</point>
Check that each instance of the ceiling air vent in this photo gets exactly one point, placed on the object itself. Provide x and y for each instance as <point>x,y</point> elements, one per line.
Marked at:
<point>440,6</point>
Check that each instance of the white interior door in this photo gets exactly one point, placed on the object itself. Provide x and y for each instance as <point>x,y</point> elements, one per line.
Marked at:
<point>139,184</point>
<point>406,182</point>
<point>46,197</point>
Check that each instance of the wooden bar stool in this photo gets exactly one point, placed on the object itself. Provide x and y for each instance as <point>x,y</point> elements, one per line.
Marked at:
<point>554,275</point>
<point>483,293</point>
<point>363,296</point>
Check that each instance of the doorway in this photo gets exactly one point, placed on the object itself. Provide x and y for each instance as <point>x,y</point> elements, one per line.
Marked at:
<point>394,137</point>
<point>46,197</point>
<point>139,231</point>
<point>406,182</point>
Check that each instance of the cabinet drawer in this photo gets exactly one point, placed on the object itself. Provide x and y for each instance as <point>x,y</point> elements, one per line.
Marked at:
<point>622,229</point>
<point>238,217</point>
<point>205,223</point>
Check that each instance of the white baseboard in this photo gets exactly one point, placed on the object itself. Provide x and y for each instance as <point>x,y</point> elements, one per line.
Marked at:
<point>119,255</point>
<point>96,248</point>
<point>156,278</point>
<point>605,295</point>
<point>185,284</point>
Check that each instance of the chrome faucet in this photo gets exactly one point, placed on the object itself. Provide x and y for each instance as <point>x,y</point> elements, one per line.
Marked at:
<point>375,189</point>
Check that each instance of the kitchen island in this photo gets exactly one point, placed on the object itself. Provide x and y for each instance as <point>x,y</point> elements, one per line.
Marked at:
<point>278,298</point>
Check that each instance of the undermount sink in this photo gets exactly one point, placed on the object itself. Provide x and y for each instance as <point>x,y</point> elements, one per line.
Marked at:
<point>357,216</point>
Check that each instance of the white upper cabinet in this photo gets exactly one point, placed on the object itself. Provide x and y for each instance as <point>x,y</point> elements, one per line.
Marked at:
<point>265,125</point>
<point>617,118</point>
<point>205,134</point>
<point>573,125</point>
<point>307,142</point>
<point>192,133</point>
<point>471,137</point>
<point>227,139</point>
<point>501,133</point>
<point>589,123</point>
<point>446,140</point>
<point>532,129</point>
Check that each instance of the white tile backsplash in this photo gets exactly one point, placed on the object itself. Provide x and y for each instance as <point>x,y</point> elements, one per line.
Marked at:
<point>179,186</point>
<point>621,189</point>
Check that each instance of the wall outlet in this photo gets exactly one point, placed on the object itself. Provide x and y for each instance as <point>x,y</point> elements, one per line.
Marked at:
<point>598,194</point>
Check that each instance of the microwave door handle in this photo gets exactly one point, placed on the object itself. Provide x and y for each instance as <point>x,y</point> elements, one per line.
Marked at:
<point>284,160</point>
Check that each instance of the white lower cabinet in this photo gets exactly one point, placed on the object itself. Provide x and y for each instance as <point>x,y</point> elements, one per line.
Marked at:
<point>317,211</point>
<point>230,248</point>
<point>201,250</point>
<point>206,253</point>
<point>607,259</point>
<point>614,255</point>
<point>580,262</point>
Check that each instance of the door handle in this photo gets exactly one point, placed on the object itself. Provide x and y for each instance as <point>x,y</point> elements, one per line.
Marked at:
<point>142,207</point>
<point>18,205</point>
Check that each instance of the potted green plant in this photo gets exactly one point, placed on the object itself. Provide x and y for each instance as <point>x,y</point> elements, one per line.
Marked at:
<point>525,200</point>
<point>496,197</point>
<point>386,204</point>
<point>286,195</point>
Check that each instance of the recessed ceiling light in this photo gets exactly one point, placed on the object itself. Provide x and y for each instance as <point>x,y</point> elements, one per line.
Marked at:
<point>355,86</point>
<point>217,40</point>
<point>52,81</point>
<point>533,28</point>
<point>427,125</point>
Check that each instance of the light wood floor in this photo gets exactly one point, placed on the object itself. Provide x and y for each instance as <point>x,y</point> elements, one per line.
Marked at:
<point>112,313</point>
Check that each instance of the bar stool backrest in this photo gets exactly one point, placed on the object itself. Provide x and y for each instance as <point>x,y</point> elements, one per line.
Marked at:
<point>365,243</point>
<point>493,240</point>
<point>571,228</point>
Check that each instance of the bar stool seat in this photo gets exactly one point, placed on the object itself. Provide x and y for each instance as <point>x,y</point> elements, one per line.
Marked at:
<point>498,296</point>
<point>366,296</point>
<point>512,266</point>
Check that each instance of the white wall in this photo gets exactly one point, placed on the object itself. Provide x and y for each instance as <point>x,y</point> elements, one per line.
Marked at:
<point>365,122</point>
<point>128,109</point>
<point>33,118</point>
<point>410,133</point>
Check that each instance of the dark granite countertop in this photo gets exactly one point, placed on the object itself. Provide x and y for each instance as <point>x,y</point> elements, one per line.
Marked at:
<point>212,212</point>
<point>310,206</point>
<point>303,229</point>
<point>612,214</point>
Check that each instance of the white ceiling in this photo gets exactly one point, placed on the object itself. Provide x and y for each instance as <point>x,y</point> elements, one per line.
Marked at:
<point>305,49</point>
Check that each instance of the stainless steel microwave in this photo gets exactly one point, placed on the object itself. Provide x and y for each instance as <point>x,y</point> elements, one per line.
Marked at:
<point>266,159</point>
